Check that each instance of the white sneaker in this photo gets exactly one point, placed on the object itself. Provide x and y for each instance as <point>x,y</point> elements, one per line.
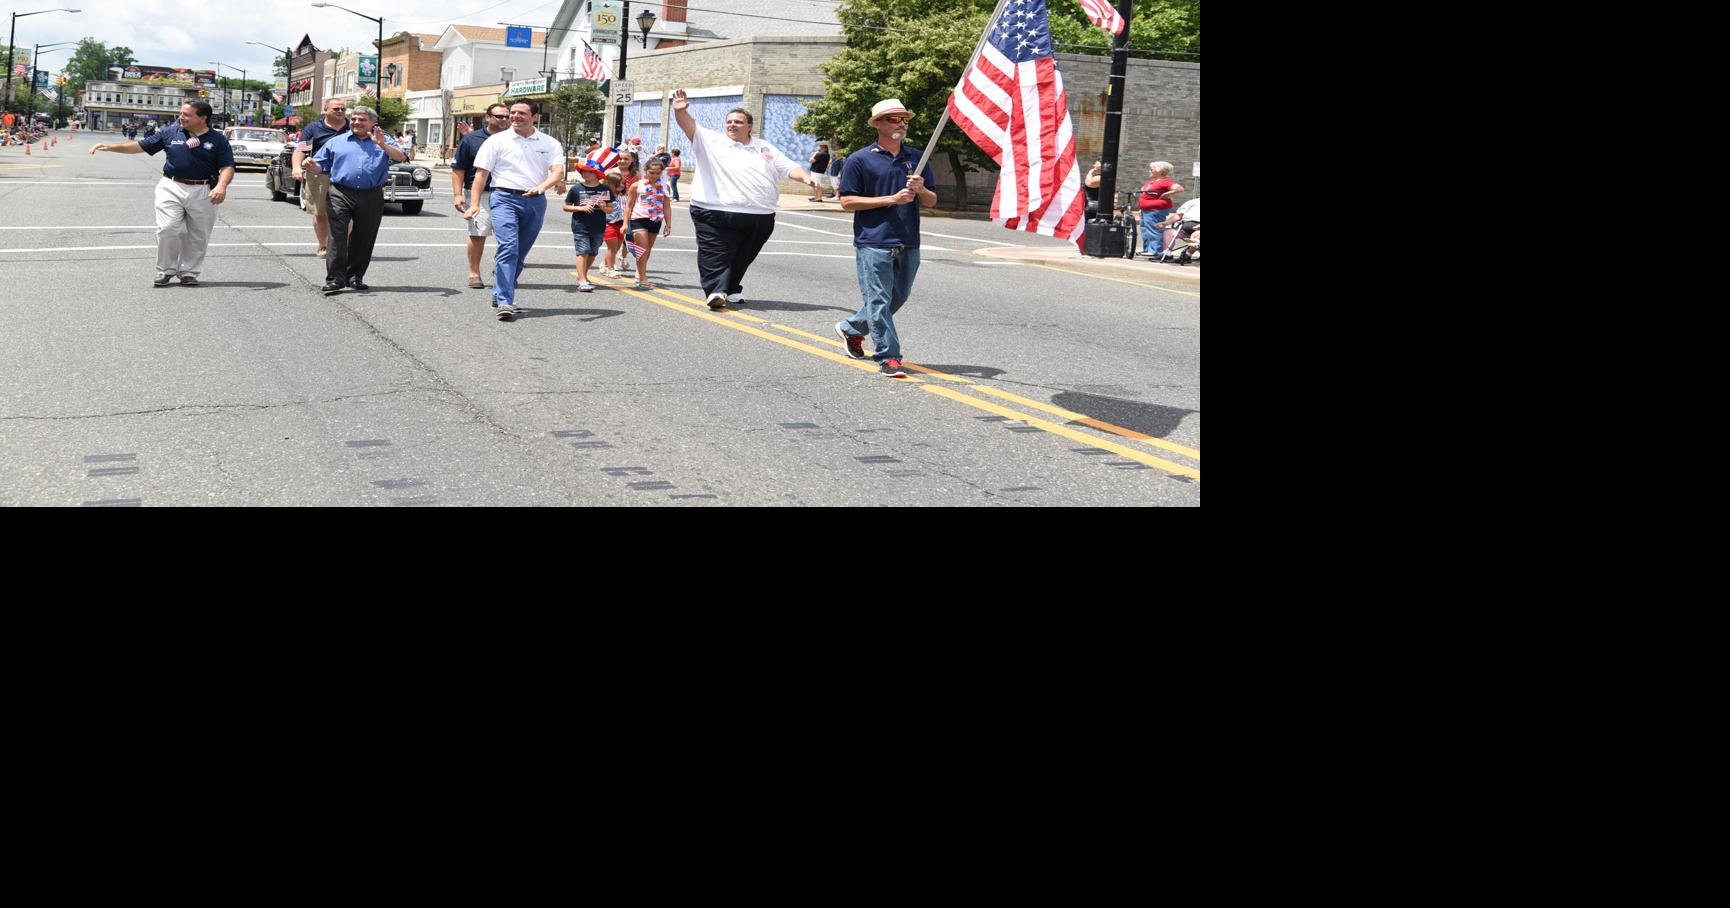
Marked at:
<point>735,298</point>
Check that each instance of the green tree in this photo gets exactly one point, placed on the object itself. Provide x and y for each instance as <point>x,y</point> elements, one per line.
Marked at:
<point>392,112</point>
<point>91,60</point>
<point>1158,30</point>
<point>574,113</point>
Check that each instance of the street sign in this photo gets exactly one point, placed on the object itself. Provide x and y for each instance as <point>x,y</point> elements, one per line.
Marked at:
<point>519,36</point>
<point>623,93</point>
<point>368,70</point>
<point>42,78</point>
<point>605,24</point>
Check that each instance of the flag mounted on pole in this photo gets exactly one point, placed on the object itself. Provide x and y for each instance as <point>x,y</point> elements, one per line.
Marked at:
<point>593,69</point>
<point>1011,103</point>
<point>1104,15</point>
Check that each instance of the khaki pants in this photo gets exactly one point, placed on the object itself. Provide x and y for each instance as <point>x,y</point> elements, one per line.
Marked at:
<point>317,193</point>
<point>184,216</point>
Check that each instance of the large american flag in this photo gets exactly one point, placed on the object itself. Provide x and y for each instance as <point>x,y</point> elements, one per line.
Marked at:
<point>1104,15</point>
<point>593,69</point>
<point>1011,103</point>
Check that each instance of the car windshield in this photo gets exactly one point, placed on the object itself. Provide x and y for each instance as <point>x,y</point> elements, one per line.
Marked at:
<point>256,135</point>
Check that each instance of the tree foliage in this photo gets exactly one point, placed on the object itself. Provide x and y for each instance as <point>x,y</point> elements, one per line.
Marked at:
<point>574,113</point>
<point>91,61</point>
<point>392,112</point>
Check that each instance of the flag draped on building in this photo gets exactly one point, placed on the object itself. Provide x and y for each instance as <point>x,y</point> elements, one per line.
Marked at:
<point>593,69</point>
<point>1104,15</point>
<point>1011,104</point>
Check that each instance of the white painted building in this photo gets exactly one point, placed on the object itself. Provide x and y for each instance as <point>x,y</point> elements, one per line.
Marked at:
<point>474,55</point>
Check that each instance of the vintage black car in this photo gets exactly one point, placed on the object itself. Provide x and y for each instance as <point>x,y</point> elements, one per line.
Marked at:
<point>410,184</point>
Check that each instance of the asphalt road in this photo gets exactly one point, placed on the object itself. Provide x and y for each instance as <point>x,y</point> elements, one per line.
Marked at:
<point>1036,385</point>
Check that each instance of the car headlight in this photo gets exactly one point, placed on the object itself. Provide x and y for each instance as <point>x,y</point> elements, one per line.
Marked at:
<point>421,174</point>
<point>239,147</point>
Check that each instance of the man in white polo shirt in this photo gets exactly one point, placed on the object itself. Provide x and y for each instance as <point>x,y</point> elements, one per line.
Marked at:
<point>520,165</point>
<point>733,202</point>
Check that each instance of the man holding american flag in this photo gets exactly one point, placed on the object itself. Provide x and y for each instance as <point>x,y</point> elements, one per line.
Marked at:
<point>880,187</point>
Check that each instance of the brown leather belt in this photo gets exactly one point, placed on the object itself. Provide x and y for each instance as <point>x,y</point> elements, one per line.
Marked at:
<point>188,182</point>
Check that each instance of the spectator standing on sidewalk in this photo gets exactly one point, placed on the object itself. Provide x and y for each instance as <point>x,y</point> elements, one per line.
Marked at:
<point>879,186</point>
<point>194,181</point>
<point>1156,196</point>
<point>819,162</point>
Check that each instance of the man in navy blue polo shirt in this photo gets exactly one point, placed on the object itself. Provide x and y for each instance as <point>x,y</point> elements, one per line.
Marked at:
<point>879,186</point>
<point>359,165</point>
<point>195,180</point>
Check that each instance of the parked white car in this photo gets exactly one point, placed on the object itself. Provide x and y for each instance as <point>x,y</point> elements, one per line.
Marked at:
<point>255,146</point>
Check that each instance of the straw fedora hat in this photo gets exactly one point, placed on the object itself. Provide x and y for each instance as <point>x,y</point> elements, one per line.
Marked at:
<point>890,106</point>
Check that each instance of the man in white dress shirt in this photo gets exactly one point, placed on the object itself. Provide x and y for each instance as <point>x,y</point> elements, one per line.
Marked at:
<point>519,165</point>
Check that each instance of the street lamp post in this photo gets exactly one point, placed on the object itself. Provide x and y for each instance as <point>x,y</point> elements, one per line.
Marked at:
<point>12,39</point>
<point>288,77</point>
<point>645,21</point>
<point>242,72</point>
<point>37,52</point>
<point>376,87</point>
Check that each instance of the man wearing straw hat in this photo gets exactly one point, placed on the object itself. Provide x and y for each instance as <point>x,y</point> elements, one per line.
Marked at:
<point>879,186</point>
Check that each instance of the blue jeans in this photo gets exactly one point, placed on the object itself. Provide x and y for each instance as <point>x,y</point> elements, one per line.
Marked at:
<point>674,179</point>
<point>517,222</point>
<point>885,280</point>
<point>1153,235</point>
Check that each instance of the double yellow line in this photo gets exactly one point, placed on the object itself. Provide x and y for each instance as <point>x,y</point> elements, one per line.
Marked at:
<point>730,319</point>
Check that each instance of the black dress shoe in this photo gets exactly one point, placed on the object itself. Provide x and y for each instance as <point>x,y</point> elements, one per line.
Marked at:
<point>360,285</point>
<point>332,288</point>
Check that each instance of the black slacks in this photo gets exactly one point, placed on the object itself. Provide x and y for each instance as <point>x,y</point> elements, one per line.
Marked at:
<point>727,244</point>
<point>349,254</point>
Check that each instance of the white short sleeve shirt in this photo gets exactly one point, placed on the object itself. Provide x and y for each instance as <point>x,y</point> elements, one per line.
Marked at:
<point>738,177</point>
<point>519,163</point>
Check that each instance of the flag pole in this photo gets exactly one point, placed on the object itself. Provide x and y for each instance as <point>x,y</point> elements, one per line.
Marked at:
<point>944,120</point>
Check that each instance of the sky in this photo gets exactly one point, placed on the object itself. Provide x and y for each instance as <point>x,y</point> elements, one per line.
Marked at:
<point>192,33</point>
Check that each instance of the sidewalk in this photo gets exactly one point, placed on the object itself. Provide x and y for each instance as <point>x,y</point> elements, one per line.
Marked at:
<point>1043,255</point>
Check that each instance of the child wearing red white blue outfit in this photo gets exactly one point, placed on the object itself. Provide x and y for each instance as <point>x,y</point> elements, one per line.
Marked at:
<point>650,217</point>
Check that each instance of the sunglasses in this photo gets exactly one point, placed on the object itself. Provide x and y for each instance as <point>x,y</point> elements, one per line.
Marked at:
<point>500,116</point>
<point>894,118</point>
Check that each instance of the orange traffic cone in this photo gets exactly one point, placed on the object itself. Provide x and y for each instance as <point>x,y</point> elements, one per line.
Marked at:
<point>27,151</point>
<point>56,141</point>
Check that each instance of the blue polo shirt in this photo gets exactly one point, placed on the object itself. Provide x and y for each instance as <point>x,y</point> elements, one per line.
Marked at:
<point>467,149</point>
<point>186,162</point>
<point>319,132</point>
<point>354,162</point>
<point>873,171</point>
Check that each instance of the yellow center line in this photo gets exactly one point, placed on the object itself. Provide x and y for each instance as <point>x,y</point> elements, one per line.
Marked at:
<point>1071,434</point>
<point>705,314</point>
<point>1114,279</point>
<point>701,310</point>
<point>1099,424</point>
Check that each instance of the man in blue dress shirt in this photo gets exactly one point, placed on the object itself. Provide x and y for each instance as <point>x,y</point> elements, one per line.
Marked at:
<point>359,166</point>
<point>195,180</point>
